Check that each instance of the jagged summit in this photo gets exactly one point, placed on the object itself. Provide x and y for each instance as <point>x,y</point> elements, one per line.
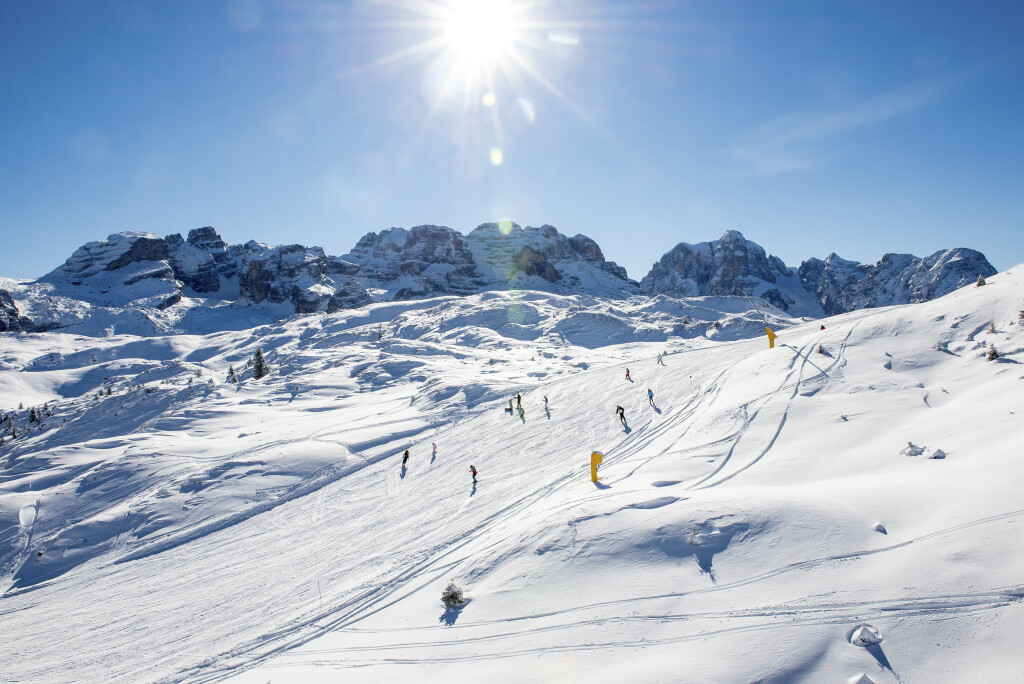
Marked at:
<point>144,283</point>
<point>733,265</point>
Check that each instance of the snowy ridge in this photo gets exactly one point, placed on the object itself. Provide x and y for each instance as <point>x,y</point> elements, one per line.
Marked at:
<point>142,284</point>
<point>763,505</point>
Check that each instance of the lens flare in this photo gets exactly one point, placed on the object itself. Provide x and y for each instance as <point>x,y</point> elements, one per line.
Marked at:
<point>496,156</point>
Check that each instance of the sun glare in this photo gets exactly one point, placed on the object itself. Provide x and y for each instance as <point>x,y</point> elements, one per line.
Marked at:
<point>480,31</point>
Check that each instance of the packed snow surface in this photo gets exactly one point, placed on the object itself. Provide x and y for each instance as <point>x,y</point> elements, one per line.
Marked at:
<point>770,508</point>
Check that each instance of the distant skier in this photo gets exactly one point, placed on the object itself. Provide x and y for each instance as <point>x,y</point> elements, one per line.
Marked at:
<point>660,362</point>
<point>627,374</point>
<point>545,402</point>
<point>472,469</point>
<point>510,404</point>
<point>434,452</point>
<point>823,326</point>
<point>405,459</point>
<point>622,414</point>
<point>522,413</point>
<point>650,396</point>
<point>519,401</point>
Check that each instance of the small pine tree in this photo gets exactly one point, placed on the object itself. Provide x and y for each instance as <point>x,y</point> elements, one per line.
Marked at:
<point>981,280</point>
<point>451,597</point>
<point>992,354</point>
<point>21,406</point>
<point>2,442</point>
<point>109,391</point>
<point>259,365</point>
<point>32,416</point>
<point>231,374</point>
<point>821,350</point>
<point>991,328</point>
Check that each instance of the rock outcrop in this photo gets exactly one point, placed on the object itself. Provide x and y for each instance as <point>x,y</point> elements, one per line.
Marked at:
<point>734,265</point>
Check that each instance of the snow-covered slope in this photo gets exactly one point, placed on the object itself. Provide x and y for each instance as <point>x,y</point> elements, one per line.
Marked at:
<point>745,525</point>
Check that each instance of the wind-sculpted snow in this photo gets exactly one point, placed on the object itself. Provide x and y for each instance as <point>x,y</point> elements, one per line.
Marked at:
<point>185,527</point>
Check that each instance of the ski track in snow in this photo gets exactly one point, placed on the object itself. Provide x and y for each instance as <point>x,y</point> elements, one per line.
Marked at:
<point>342,540</point>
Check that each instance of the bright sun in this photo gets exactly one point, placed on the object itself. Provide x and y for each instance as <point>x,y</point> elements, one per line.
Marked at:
<point>480,32</point>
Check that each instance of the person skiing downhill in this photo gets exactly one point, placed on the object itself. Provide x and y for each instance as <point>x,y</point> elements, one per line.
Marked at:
<point>627,374</point>
<point>510,404</point>
<point>472,469</point>
<point>405,459</point>
<point>622,414</point>
<point>434,452</point>
<point>545,402</point>
<point>519,400</point>
<point>660,362</point>
<point>650,396</point>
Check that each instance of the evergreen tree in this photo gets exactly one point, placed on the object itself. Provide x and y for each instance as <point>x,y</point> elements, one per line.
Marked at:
<point>2,441</point>
<point>33,416</point>
<point>992,354</point>
<point>109,391</point>
<point>992,328</point>
<point>259,366</point>
<point>21,406</point>
<point>231,374</point>
<point>981,280</point>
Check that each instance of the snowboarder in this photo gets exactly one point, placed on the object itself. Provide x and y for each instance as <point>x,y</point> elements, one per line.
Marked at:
<point>622,414</point>
<point>650,396</point>
<point>519,400</point>
<point>472,469</point>
<point>660,362</point>
<point>405,459</point>
<point>627,374</point>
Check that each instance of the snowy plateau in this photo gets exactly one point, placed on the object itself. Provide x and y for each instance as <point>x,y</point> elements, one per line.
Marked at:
<point>843,507</point>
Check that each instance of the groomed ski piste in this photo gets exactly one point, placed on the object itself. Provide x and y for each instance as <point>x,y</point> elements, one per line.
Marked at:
<point>845,507</point>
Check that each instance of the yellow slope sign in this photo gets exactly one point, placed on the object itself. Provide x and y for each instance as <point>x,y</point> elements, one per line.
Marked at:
<point>771,337</point>
<point>595,460</point>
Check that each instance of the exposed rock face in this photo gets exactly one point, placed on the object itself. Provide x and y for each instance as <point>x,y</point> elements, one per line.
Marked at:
<point>148,275</point>
<point>431,260</point>
<point>725,267</point>
<point>842,285</point>
<point>733,265</point>
<point>10,320</point>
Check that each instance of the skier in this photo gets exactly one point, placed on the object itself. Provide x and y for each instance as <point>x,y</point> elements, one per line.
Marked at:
<point>510,404</point>
<point>522,413</point>
<point>434,453</point>
<point>660,362</point>
<point>545,402</point>
<point>650,396</point>
<point>405,459</point>
<point>823,326</point>
<point>622,414</point>
<point>519,400</point>
<point>472,469</point>
<point>627,374</point>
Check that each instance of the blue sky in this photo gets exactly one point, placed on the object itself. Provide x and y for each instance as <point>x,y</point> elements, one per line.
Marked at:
<point>855,127</point>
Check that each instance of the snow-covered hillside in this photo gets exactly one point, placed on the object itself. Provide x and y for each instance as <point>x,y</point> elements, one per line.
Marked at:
<point>768,504</point>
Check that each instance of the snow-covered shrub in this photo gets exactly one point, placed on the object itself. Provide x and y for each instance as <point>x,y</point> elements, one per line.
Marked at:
<point>992,328</point>
<point>992,354</point>
<point>821,350</point>
<point>981,280</point>
<point>451,597</point>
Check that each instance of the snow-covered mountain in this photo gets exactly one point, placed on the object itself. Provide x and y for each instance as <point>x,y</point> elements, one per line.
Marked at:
<point>761,520</point>
<point>141,283</point>
<point>733,264</point>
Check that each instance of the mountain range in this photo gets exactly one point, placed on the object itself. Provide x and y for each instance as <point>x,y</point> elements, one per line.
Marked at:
<point>145,283</point>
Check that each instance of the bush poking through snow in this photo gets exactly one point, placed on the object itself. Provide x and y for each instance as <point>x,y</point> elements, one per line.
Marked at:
<point>821,350</point>
<point>981,280</point>
<point>992,354</point>
<point>451,597</point>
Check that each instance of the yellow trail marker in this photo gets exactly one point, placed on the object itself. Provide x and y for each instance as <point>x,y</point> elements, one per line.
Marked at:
<point>595,460</point>
<point>771,337</point>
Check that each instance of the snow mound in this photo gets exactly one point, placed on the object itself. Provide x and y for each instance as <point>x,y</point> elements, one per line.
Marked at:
<point>864,635</point>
